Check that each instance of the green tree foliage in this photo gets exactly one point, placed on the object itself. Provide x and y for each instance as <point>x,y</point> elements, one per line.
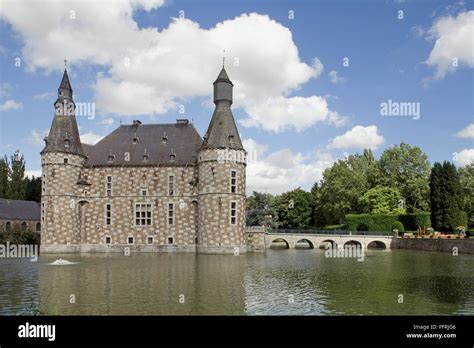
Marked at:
<point>408,169</point>
<point>17,184</point>
<point>33,189</point>
<point>382,200</point>
<point>446,198</point>
<point>16,235</point>
<point>466,178</point>
<point>4,176</point>
<point>436,196</point>
<point>343,184</point>
<point>261,210</point>
<point>294,209</point>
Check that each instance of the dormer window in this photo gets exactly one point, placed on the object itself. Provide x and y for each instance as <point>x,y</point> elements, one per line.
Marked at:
<point>135,138</point>
<point>165,138</point>
<point>67,143</point>
<point>172,156</point>
<point>111,157</point>
<point>231,137</point>
<point>145,156</point>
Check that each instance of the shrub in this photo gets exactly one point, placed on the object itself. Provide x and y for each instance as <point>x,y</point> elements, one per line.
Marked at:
<point>415,220</point>
<point>370,222</point>
<point>397,225</point>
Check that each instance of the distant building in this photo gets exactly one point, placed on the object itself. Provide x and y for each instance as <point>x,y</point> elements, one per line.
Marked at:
<point>25,215</point>
<point>150,187</point>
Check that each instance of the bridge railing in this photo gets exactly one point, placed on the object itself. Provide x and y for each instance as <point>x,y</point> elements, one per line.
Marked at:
<point>333,232</point>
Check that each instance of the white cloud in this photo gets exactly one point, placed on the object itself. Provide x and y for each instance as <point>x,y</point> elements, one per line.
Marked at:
<point>465,157</point>
<point>11,105</point>
<point>467,132</point>
<point>90,138</point>
<point>334,78</point>
<point>36,138</point>
<point>283,170</point>
<point>44,96</point>
<point>454,41</point>
<point>299,113</point>
<point>152,71</point>
<point>31,173</point>
<point>107,122</point>
<point>358,137</point>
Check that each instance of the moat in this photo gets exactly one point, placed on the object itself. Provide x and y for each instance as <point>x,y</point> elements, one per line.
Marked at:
<point>278,282</point>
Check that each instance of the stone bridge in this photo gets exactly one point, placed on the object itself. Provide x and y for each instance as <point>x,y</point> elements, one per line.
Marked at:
<point>336,240</point>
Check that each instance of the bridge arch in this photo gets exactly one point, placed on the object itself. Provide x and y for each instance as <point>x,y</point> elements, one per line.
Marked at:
<point>376,244</point>
<point>325,242</point>
<point>277,243</point>
<point>307,242</point>
<point>352,243</point>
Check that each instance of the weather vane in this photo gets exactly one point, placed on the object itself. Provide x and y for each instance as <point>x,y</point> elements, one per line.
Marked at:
<point>223,58</point>
<point>65,64</point>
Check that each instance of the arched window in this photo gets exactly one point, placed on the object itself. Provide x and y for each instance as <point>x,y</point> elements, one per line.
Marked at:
<point>38,227</point>
<point>8,225</point>
<point>24,226</point>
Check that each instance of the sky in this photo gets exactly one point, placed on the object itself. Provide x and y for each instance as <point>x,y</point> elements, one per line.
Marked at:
<point>314,81</point>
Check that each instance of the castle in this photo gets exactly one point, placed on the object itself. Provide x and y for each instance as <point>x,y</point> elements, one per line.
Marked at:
<point>145,187</point>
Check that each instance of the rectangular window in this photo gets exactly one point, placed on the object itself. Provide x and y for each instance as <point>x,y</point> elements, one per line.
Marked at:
<point>108,214</point>
<point>108,185</point>
<point>144,192</point>
<point>149,240</point>
<point>233,213</point>
<point>108,240</point>
<point>130,240</point>
<point>233,181</point>
<point>170,214</point>
<point>170,240</point>
<point>143,214</point>
<point>171,185</point>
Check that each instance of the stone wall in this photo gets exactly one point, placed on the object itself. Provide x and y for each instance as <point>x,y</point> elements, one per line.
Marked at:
<point>215,198</point>
<point>464,246</point>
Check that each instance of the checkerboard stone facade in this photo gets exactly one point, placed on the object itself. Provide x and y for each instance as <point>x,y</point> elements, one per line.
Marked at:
<point>75,193</point>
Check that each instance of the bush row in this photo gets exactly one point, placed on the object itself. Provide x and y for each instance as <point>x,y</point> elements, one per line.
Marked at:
<point>386,222</point>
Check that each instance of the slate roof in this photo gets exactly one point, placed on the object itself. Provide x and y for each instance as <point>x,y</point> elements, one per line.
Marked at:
<point>19,210</point>
<point>222,131</point>
<point>223,77</point>
<point>63,135</point>
<point>182,140</point>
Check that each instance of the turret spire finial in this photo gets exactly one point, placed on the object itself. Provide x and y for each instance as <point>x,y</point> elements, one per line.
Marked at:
<point>223,58</point>
<point>65,64</point>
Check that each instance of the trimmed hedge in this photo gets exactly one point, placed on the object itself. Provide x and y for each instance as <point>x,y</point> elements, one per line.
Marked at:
<point>415,220</point>
<point>384,222</point>
<point>397,225</point>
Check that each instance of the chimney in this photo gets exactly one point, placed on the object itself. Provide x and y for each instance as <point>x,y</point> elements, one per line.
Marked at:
<point>136,123</point>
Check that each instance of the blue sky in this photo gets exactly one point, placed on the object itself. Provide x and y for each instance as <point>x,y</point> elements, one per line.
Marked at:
<point>297,106</point>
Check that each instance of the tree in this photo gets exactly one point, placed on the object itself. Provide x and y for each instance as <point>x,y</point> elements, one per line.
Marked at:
<point>453,215</point>
<point>294,209</point>
<point>342,186</point>
<point>261,210</point>
<point>436,196</point>
<point>382,200</point>
<point>33,189</point>
<point>407,168</point>
<point>4,176</point>
<point>17,186</point>
<point>466,178</point>
<point>446,198</point>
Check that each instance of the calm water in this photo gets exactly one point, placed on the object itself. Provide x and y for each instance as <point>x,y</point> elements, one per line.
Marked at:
<point>276,283</point>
